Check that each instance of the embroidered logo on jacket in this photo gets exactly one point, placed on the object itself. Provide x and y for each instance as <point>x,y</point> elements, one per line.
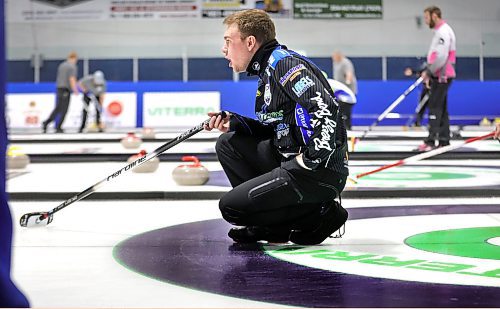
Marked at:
<point>270,117</point>
<point>303,121</point>
<point>256,66</point>
<point>282,130</point>
<point>302,85</point>
<point>328,125</point>
<point>291,74</point>
<point>267,94</point>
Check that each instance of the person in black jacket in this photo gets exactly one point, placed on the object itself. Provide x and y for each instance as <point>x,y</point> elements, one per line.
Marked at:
<point>288,166</point>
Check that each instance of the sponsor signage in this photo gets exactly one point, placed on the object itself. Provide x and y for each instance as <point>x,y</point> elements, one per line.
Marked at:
<point>29,110</point>
<point>178,109</point>
<point>223,8</point>
<point>337,9</point>
<point>84,10</point>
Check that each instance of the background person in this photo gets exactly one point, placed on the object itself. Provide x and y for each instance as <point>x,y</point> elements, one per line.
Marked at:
<point>65,83</point>
<point>343,71</point>
<point>93,88</point>
<point>439,73</point>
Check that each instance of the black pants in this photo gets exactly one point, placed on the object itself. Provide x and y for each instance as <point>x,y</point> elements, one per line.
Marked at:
<point>268,191</point>
<point>439,122</point>
<point>86,103</point>
<point>61,109</point>
<point>346,110</point>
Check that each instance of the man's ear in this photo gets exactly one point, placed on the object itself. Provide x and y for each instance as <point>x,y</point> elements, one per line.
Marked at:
<point>251,42</point>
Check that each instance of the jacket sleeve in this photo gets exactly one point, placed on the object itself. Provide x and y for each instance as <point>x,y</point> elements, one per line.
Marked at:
<point>249,126</point>
<point>438,53</point>
<point>303,87</point>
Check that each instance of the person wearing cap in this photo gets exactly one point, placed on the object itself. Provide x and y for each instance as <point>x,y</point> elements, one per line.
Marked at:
<point>67,73</point>
<point>93,87</point>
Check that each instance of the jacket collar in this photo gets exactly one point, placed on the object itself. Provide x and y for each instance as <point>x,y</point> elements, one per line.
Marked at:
<point>439,24</point>
<point>259,61</point>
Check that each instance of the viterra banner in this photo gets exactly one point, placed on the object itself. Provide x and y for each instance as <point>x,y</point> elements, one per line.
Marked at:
<point>178,109</point>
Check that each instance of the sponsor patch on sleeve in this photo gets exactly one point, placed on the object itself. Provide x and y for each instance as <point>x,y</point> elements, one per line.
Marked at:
<point>291,74</point>
<point>302,85</point>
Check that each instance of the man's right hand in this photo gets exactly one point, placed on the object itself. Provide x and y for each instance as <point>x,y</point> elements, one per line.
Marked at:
<point>217,122</point>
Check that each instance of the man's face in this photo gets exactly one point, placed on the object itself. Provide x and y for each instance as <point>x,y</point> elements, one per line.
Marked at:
<point>237,51</point>
<point>337,57</point>
<point>430,19</point>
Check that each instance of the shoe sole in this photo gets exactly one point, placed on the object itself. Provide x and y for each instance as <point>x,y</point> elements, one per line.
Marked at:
<point>256,237</point>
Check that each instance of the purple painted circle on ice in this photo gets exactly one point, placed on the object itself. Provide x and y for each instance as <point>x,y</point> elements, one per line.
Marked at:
<point>200,256</point>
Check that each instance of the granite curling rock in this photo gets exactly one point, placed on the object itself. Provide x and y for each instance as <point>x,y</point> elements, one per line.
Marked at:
<point>16,159</point>
<point>94,128</point>
<point>148,133</point>
<point>147,167</point>
<point>131,141</point>
<point>190,175</point>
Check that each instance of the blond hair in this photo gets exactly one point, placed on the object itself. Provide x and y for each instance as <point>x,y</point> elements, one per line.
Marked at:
<point>253,22</point>
<point>72,55</point>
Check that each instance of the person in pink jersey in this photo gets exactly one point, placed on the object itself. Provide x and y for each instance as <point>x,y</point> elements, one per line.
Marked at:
<point>438,75</point>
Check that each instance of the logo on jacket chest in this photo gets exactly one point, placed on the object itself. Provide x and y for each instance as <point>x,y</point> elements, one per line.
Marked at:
<point>267,94</point>
<point>270,117</point>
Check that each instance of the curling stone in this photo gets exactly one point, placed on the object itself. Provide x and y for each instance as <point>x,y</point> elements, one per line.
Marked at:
<point>148,133</point>
<point>147,167</point>
<point>17,159</point>
<point>190,175</point>
<point>131,141</point>
<point>94,128</point>
<point>485,122</point>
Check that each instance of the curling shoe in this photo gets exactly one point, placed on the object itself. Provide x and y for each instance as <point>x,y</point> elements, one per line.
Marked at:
<point>424,148</point>
<point>252,234</point>
<point>333,216</point>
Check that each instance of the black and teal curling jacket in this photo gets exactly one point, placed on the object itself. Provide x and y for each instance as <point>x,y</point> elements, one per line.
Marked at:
<point>296,107</point>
